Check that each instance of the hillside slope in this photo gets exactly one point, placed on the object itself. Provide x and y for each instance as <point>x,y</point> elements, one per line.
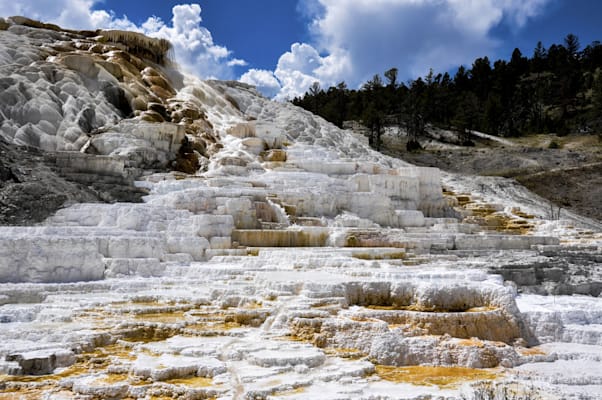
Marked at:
<point>567,177</point>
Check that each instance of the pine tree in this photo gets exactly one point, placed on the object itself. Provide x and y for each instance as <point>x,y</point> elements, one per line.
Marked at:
<point>539,57</point>
<point>571,43</point>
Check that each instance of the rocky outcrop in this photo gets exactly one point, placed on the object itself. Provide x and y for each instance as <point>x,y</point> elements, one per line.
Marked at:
<point>97,80</point>
<point>41,362</point>
<point>140,45</point>
<point>556,270</point>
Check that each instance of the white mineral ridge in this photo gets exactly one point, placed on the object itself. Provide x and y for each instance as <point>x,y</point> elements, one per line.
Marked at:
<point>55,101</point>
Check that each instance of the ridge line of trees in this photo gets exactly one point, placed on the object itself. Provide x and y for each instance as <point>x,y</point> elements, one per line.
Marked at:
<point>556,90</point>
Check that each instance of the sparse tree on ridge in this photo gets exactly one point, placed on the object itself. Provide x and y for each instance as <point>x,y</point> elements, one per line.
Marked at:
<point>467,116</point>
<point>571,42</point>
<point>314,90</point>
<point>375,83</point>
<point>539,57</point>
<point>597,100</point>
<point>374,119</point>
<point>391,76</point>
<point>413,110</point>
<point>374,114</point>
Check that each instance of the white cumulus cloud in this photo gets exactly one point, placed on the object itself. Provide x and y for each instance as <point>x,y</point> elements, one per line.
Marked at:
<point>265,81</point>
<point>74,14</point>
<point>297,70</point>
<point>193,44</point>
<point>413,35</point>
<point>354,39</point>
<point>300,67</point>
<point>237,62</point>
<point>194,47</point>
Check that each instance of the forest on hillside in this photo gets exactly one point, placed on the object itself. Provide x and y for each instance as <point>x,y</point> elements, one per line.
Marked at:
<point>556,90</point>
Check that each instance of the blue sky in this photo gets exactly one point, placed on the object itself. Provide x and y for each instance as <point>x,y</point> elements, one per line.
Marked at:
<point>256,31</point>
<point>283,46</point>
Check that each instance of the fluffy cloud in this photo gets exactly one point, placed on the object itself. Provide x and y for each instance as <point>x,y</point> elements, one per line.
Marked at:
<point>69,13</point>
<point>193,44</point>
<point>354,39</point>
<point>302,66</point>
<point>297,70</point>
<point>265,81</point>
<point>412,35</point>
<point>237,62</point>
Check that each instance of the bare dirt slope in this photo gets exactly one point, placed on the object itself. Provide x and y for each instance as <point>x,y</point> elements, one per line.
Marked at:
<point>577,188</point>
<point>32,187</point>
<point>569,176</point>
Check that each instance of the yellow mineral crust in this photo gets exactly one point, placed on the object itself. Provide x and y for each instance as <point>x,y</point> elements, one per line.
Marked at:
<point>444,377</point>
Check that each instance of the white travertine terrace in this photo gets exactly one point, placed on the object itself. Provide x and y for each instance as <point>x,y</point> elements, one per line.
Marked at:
<point>298,263</point>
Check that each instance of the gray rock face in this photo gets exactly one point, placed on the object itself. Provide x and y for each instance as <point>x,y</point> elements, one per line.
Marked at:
<point>42,362</point>
<point>33,185</point>
<point>556,270</point>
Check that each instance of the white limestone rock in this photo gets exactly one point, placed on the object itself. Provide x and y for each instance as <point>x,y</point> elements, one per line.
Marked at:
<point>407,218</point>
<point>49,259</point>
<point>101,386</point>
<point>220,242</point>
<point>393,349</point>
<point>145,267</point>
<point>288,356</point>
<point>167,367</point>
<point>195,246</point>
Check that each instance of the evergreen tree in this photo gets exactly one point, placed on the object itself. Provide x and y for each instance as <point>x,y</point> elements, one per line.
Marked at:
<point>467,116</point>
<point>314,92</point>
<point>374,119</point>
<point>373,84</point>
<point>481,77</point>
<point>461,79</point>
<point>572,45</point>
<point>412,117</point>
<point>518,64</point>
<point>539,57</point>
